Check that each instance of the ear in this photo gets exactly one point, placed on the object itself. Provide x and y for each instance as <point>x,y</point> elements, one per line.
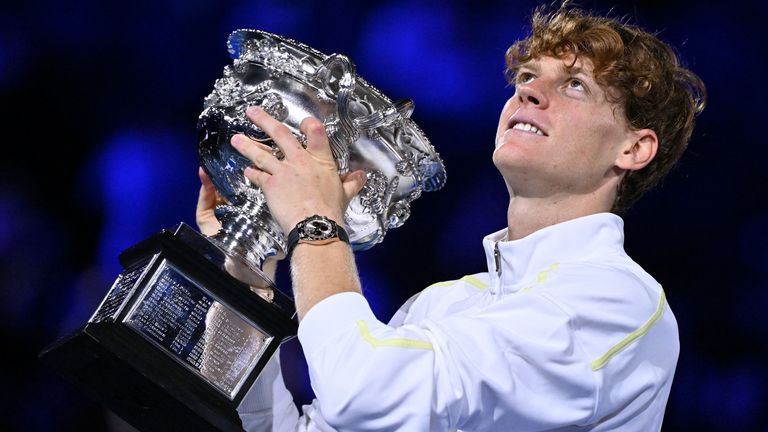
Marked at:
<point>639,151</point>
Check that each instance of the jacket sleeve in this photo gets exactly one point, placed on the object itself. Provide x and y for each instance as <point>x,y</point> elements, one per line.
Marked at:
<point>503,366</point>
<point>268,406</point>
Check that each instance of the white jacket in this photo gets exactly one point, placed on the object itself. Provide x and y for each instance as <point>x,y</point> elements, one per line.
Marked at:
<point>564,332</point>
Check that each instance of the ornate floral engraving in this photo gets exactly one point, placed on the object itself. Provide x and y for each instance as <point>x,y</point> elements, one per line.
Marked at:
<point>290,81</point>
<point>372,196</point>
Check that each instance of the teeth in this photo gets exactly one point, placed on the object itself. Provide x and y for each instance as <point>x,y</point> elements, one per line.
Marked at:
<point>527,127</point>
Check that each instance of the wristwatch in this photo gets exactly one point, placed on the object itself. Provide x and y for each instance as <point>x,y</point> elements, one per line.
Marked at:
<point>316,230</point>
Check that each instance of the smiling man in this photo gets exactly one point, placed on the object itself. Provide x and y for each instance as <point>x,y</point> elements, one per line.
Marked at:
<point>563,331</point>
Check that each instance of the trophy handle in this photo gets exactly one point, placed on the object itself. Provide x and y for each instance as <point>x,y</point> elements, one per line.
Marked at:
<point>402,109</point>
<point>342,133</point>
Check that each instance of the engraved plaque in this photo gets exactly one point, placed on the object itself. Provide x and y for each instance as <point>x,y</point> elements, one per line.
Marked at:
<point>197,330</point>
<point>118,294</point>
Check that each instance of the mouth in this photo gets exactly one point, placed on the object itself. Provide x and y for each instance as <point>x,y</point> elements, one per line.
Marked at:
<point>526,125</point>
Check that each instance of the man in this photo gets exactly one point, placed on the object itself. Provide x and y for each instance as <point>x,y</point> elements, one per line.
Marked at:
<point>564,331</point>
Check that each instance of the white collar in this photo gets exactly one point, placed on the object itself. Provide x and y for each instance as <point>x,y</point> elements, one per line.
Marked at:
<point>573,240</point>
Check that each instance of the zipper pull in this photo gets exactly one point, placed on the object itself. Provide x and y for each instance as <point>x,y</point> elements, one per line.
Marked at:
<point>497,258</point>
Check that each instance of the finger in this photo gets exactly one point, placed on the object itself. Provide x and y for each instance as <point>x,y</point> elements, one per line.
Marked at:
<point>207,197</point>
<point>257,177</point>
<point>317,138</point>
<point>207,183</point>
<point>204,179</point>
<point>206,202</point>
<point>353,183</point>
<point>257,153</point>
<point>280,134</point>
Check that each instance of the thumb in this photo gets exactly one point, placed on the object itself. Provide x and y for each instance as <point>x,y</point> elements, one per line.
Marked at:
<point>352,183</point>
<point>207,197</point>
<point>206,202</point>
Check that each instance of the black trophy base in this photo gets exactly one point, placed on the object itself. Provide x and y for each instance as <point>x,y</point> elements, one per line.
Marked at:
<point>177,341</point>
<point>138,384</point>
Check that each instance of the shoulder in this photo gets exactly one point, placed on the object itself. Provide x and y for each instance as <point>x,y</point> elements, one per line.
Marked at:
<point>469,283</point>
<point>436,299</point>
<point>622,322</point>
<point>614,282</point>
<point>613,306</point>
<point>612,297</point>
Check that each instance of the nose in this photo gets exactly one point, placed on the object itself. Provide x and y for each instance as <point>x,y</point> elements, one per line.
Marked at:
<point>532,94</point>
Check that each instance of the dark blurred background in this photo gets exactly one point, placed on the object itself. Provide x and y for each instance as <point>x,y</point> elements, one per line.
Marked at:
<point>99,101</point>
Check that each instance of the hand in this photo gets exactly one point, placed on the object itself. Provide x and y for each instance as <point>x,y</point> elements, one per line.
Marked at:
<point>207,201</point>
<point>306,181</point>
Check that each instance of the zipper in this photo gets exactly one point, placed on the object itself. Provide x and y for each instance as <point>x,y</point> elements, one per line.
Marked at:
<point>497,258</point>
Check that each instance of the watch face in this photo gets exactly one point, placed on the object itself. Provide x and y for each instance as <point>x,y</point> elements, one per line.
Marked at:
<point>318,229</point>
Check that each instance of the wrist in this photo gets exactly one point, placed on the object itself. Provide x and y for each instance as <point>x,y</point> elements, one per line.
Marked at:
<point>316,230</point>
<point>293,221</point>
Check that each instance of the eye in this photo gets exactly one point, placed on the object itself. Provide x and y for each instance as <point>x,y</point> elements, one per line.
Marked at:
<point>576,85</point>
<point>524,78</point>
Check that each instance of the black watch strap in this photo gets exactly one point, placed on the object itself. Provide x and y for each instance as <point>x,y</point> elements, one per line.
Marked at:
<point>315,229</point>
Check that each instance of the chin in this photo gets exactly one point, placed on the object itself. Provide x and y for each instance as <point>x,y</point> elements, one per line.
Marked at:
<point>497,158</point>
<point>507,155</point>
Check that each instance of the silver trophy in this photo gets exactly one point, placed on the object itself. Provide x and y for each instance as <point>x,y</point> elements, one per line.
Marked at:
<point>292,81</point>
<point>180,336</point>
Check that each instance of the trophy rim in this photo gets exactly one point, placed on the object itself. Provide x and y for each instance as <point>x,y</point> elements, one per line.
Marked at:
<point>410,161</point>
<point>239,37</point>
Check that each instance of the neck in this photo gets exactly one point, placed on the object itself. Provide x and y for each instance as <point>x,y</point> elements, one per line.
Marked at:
<point>527,215</point>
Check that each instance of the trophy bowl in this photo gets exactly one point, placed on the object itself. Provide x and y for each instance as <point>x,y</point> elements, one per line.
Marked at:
<point>366,130</point>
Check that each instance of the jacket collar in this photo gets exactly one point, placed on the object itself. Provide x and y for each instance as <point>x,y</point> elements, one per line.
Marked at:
<point>577,239</point>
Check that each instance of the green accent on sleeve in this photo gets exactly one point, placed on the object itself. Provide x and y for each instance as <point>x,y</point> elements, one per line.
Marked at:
<point>394,343</point>
<point>541,277</point>
<point>475,282</point>
<point>635,335</point>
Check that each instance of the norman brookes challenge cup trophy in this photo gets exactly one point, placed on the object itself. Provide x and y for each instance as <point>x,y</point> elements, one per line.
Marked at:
<point>188,325</point>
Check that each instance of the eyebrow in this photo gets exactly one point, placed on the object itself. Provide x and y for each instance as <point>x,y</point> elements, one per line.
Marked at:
<point>532,65</point>
<point>535,67</point>
<point>573,70</point>
<point>578,70</point>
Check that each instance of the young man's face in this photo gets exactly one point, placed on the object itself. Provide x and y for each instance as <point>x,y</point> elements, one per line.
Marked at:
<point>559,134</point>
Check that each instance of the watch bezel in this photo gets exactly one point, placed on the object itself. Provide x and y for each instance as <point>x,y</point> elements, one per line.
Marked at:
<point>299,235</point>
<point>310,231</point>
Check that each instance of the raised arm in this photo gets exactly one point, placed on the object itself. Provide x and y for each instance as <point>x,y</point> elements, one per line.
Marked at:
<point>305,183</point>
